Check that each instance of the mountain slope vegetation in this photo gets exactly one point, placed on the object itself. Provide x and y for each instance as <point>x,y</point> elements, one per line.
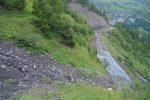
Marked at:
<point>128,48</point>
<point>49,27</point>
<point>134,13</point>
<point>128,41</point>
<point>131,52</point>
<point>69,41</point>
<point>131,40</point>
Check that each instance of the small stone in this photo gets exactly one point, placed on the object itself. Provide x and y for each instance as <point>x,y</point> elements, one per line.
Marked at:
<point>69,83</point>
<point>10,52</point>
<point>20,82</point>
<point>3,66</point>
<point>19,69</point>
<point>23,85</point>
<point>67,77</point>
<point>34,67</point>
<point>53,69</point>
<point>82,77</point>
<point>110,89</point>
<point>24,69</point>
<point>93,83</point>
<point>28,52</point>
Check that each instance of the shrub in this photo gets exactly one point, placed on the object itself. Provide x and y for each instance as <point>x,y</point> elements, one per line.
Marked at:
<point>13,4</point>
<point>54,17</point>
<point>9,82</point>
<point>28,40</point>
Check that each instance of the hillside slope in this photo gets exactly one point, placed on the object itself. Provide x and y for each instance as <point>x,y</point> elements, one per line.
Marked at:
<point>134,13</point>
<point>20,71</point>
<point>46,52</point>
<point>118,75</point>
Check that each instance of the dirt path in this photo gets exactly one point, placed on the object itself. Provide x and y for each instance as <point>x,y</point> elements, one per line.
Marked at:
<point>20,70</point>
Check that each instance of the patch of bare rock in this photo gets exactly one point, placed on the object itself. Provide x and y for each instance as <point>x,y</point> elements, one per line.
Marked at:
<point>20,70</point>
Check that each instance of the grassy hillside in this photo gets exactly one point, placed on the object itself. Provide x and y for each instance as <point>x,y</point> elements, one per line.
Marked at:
<point>127,47</point>
<point>17,26</point>
<point>82,92</point>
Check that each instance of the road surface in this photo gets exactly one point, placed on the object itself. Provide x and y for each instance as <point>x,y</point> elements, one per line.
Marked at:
<point>119,76</point>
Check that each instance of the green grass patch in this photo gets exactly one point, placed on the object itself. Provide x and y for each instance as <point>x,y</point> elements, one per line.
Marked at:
<point>80,91</point>
<point>9,82</point>
<point>36,94</point>
<point>88,92</point>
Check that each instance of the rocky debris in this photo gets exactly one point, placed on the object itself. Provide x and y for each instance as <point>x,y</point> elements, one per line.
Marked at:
<point>3,66</point>
<point>21,70</point>
<point>110,89</point>
<point>95,21</point>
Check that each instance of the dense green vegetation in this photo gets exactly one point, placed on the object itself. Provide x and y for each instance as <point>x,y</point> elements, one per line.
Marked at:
<point>13,4</point>
<point>133,43</point>
<point>144,25</point>
<point>128,46</point>
<point>55,20</point>
<point>54,17</point>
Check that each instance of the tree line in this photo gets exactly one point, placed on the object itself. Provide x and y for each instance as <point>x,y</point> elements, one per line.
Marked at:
<point>53,16</point>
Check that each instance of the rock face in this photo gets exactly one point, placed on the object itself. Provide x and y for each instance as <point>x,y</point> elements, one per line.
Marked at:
<point>20,70</point>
